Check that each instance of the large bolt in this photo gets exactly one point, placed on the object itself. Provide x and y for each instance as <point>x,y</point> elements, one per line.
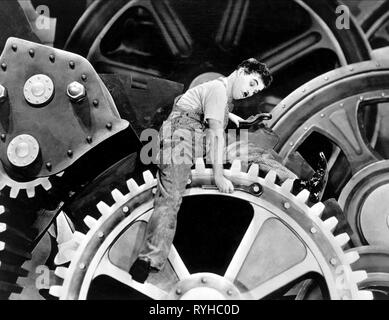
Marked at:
<point>3,93</point>
<point>76,91</point>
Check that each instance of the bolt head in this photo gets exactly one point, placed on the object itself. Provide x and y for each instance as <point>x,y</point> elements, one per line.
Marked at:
<point>84,77</point>
<point>31,52</point>
<point>76,91</point>
<point>70,153</point>
<point>178,291</point>
<point>52,58</point>
<point>109,126</point>
<point>4,66</point>
<point>14,47</point>
<point>125,209</point>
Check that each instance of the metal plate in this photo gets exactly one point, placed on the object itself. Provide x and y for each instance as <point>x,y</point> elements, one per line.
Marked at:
<point>60,125</point>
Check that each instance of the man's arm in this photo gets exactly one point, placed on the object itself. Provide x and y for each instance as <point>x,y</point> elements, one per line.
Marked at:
<point>216,138</point>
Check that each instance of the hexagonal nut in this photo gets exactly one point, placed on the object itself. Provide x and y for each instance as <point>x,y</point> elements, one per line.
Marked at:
<point>3,93</point>
<point>76,91</point>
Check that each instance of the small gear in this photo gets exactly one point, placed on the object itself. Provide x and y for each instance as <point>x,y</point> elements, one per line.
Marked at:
<point>275,210</point>
<point>16,186</point>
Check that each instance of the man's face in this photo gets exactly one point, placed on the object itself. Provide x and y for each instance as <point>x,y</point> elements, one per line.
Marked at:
<point>245,85</point>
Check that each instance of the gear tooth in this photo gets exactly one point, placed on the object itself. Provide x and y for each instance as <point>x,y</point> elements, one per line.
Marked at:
<point>103,208</point>
<point>287,185</point>
<point>46,184</point>
<point>254,170</point>
<point>365,295</point>
<point>90,222</point>
<point>3,227</point>
<point>148,177</point>
<point>331,223</point>
<point>303,196</point>
<point>78,237</point>
<point>236,167</point>
<point>61,272</point>
<point>342,239</point>
<point>117,195</point>
<point>60,174</point>
<point>2,185</point>
<point>56,291</point>
<point>317,209</point>
<point>199,165</point>
<point>359,276</point>
<point>352,257</point>
<point>14,192</point>
<point>2,209</point>
<point>2,245</point>
<point>64,231</point>
<point>132,186</point>
<point>66,252</point>
<point>271,177</point>
<point>30,192</point>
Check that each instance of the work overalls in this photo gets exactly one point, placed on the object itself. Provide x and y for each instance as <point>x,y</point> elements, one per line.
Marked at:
<point>181,142</point>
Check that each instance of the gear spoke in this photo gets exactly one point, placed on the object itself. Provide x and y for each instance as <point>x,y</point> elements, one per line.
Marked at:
<point>260,216</point>
<point>108,269</point>
<point>311,40</point>
<point>177,264</point>
<point>309,264</point>
<point>232,24</point>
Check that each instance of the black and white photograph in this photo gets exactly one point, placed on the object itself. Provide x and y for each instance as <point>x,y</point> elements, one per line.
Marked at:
<point>216,151</point>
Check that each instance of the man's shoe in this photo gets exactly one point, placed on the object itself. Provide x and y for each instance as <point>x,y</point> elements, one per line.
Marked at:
<point>317,183</point>
<point>140,270</point>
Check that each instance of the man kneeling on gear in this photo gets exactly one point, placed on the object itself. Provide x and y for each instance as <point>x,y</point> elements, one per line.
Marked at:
<point>205,107</point>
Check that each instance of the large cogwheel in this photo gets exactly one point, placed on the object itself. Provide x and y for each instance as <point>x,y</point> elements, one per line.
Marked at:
<point>264,241</point>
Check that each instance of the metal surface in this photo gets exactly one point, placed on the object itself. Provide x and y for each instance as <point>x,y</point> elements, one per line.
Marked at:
<point>100,253</point>
<point>332,106</point>
<point>59,125</point>
<point>364,200</point>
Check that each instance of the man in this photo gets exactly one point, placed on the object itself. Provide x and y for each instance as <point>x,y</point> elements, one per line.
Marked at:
<point>204,107</point>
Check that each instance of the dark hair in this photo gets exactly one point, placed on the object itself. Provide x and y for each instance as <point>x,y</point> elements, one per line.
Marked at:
<point>253,65</point>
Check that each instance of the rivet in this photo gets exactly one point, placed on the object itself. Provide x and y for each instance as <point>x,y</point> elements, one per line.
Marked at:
<point>361,98</point>
<point>81,266</point>
<point>109,125</point>
<point>305,128</point>
<point>383,94</point>
<point>286,205</point>
<point>72,65</point>
<point>4,66</point>
<point>3,136</point>
<point>333,261</point>
<point>89,139</point>
<point>178,291</point>
<point>14,47</point>
<point>31,52</point>
<point>95,102</point>
<point>203,280</point>
<point>100,234</point>
<point>341,105</point>
<point>70,153</point>
<point>351,69</point>
<point>313,230</point>
<point>284,106</point>
<point>326,78</point>
<point>84,77</point>
<point>229,292</point>
<point>125,209</point>
<point>322,115</point>
<point>52,58</point>
<point>291,143</point>
<point>49,166</point>
<point>303,90</point>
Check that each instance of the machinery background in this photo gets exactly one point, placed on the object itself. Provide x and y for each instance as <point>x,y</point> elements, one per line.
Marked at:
<point>73,216</point>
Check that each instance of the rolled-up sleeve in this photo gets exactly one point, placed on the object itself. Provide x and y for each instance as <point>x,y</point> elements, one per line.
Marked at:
<point>215,103</point>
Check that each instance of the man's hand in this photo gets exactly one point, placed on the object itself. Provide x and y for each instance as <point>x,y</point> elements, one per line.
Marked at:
<point>234,118</point>
<point>224,185</point>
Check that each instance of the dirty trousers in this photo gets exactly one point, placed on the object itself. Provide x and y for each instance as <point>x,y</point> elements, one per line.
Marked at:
<point>181,141</point>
